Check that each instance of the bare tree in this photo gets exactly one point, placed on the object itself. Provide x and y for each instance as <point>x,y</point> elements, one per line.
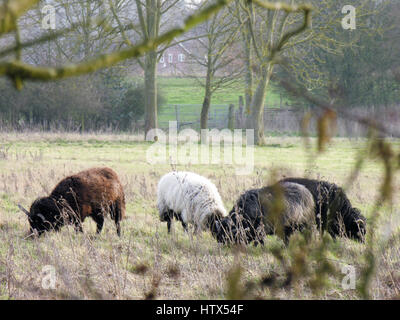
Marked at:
<point>270,31</point>
<point>17,70</point>
<point>213,51</point>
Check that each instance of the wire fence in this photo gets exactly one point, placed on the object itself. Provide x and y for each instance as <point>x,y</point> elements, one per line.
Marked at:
<point>285,120</point>
<point>279,120</point>
<point>188,115</point>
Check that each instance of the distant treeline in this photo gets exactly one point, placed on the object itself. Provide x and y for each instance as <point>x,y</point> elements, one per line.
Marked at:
<point>102,101</point>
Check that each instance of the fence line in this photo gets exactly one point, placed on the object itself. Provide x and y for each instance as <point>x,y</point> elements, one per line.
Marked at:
<point>281,120</point>
<point>285,120</point>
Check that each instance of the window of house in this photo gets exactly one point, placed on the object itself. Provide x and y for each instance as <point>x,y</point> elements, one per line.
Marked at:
<point>170,58</point>
<point>181,57</point>
<point>162,59</point>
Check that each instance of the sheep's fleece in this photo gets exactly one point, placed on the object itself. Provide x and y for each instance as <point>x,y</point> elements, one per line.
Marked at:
<point>194,197</point>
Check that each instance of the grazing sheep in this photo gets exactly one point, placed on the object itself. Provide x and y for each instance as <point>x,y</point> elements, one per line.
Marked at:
<point>91,193</point>
<point>334,209</point>
<point>285,206</point>
<point>190,198</point>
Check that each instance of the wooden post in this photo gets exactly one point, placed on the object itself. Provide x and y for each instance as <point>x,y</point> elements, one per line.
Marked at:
<point>231,117</point>
<point>177,116</point>
<point>82,123</point>
<point>240,122</point>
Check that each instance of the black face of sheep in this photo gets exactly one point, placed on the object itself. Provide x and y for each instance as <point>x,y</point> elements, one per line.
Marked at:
<point>356,229</point>
<point>236,229</point>
<point>43,216</point>
<point>226,231</point>
<point>244,220</point>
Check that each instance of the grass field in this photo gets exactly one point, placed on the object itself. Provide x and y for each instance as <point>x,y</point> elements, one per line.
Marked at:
<point>146,261</point>
<point>188,93</point>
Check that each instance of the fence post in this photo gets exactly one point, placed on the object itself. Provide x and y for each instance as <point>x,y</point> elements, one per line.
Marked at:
<point>82,123</point>
<point>177,116</point>
<point>231,117</point>
<point>240,118</point>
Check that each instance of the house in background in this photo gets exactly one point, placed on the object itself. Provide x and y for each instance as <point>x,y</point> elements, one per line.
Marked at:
<point>188,59</point>
<point>176,62</point>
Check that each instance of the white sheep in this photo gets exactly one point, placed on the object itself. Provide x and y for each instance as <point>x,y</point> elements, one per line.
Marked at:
<point>190,198</point>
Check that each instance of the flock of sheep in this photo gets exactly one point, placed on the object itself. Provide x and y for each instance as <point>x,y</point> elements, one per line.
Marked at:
<point>282,208</point>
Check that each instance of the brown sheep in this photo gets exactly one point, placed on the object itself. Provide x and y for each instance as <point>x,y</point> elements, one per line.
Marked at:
<point>92,192</point>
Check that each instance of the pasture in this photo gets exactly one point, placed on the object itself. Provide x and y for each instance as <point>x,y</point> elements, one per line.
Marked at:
<point>146,262</point>
<point>190,91</point>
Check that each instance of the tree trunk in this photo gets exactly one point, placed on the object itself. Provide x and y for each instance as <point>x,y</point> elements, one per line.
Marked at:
<point>248,75</point>
<point>207,100</point>
<point>257,106</point>
<point>231,117</point>
<point>150,87</point>
<point>205,109</point>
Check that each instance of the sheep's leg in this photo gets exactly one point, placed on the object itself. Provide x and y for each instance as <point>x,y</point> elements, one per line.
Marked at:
<point>78,226</point>
<point>169,225</point>
<point>184,224</point>
<point>168,216</point>
<point>99,219</point>
<point>118,225</point>
<point>259,241</point>
<point>287,233</point>
<point>99,223</point>
<point>117,214</point>
<point>74,219</point>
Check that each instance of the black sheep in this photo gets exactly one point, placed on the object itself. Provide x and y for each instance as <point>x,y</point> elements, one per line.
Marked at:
<point>285,206</point>
<point>333,209</point>
<point>93,192</point>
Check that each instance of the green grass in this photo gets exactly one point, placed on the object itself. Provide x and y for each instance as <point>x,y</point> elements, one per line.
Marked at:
<point>34,163</point>
<point>189,94</point>
<point>189,91</point>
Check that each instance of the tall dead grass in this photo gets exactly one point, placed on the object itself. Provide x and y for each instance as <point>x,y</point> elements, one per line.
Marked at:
<point>146,262</point>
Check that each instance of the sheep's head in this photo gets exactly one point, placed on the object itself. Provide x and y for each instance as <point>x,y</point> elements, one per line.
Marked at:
<point>224,230</point>
<point>358,226</point>
<point>232,229</point>
<point>43,215</point>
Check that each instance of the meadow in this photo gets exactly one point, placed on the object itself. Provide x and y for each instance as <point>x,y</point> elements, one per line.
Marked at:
<point>188,93</point>
<point>147,262</point>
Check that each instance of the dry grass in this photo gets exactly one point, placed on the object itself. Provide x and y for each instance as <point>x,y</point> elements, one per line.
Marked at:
<point>146,262</point>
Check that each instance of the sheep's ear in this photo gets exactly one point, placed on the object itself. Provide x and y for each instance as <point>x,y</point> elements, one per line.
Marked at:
<point>23,209</point>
